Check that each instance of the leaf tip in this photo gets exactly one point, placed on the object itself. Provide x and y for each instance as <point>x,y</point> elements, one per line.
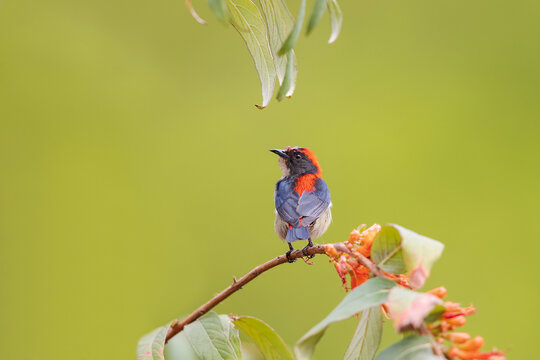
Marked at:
<point>332,39</point>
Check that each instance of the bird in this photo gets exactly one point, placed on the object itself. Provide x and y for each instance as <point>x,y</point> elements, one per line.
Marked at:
<point>301,197</point>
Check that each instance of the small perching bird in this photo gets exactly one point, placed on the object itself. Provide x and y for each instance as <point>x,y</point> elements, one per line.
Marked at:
<point>302,198</point>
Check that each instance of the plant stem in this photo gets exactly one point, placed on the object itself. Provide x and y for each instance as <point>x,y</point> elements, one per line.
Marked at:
<point>238,284</point>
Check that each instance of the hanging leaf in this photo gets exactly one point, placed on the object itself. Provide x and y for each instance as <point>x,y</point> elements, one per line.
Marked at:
<point>316,15</point>
<point>367,337</point>
<point>194,13</point>
<point>290,80</point>
<point>295,32</point>
<point>279,23</point>
<point>336,19</point>
<point>412,347</point>
<point>371,293</point>
<point>408,308</point>
<point>210,337</point>
<point>247,20</point>
<point>292,75</point>
<point>150,346</point>
<point>219,8</point>
<point>270,344</point>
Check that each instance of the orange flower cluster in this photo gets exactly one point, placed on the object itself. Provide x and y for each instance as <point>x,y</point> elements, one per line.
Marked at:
<point>359,242</point>
<point>462,346</point>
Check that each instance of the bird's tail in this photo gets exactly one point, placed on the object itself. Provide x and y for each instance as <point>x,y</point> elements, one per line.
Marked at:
<point>298,233</point>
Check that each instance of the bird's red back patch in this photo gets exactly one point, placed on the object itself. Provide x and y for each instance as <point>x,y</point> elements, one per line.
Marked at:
<point>305,183</point>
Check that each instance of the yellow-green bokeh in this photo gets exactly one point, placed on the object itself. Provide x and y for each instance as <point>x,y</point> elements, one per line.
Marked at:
<point>135,179</point>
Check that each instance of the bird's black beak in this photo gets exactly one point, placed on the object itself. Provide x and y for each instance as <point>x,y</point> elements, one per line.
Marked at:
<point>281,153</point>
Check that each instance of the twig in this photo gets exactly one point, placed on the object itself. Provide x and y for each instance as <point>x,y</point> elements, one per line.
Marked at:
<point>237,285</point>
<point>424,330</point>
<point>375,270</point>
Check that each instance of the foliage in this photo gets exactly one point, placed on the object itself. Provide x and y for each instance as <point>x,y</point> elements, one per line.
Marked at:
<point>270,32</point>
<point>385,266</point>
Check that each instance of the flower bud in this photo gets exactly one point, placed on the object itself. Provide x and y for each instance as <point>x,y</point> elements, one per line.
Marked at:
<point>497,357</point>
<point>457,321</point>
<point>469,310</point>
<point>474,344</point>
<point>460,354</point>
<point>451,306</point>
<point>458,338</point>
<point>439,292</point>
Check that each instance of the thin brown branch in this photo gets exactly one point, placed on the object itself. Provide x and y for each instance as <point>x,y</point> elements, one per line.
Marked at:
<point>424,330</point>
<point>237,285</point>
<point>375,270</point>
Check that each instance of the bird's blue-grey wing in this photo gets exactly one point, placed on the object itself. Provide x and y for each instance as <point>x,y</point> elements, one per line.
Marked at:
<point>312,204</point>
<point>286,200</point>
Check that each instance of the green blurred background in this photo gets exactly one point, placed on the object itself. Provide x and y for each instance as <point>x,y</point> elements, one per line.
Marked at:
<point>135,179</point>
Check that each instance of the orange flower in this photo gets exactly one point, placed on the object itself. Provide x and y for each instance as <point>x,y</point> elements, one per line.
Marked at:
<point>330,250</point>
<point>462,346</point>
<point>360,241</point>
<point>359,275</point>
<point>354,237</point>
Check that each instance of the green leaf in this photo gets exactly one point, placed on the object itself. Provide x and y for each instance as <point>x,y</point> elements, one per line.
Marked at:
<point>412,347</point>
<point>178,347</point>
<point>289,81</point>
<point>267,340</point>
<point>367,337</point>
<point>219,8</point>
<point>371,293</point>
<point>408,308</point>
<point>194,13</point>
<point>419,253</point>
<point>336,19</point>
<point>211,337</point>
<point>386,250</point>
<point>279,23</point>
<point>247,20</point>
<point>316,14</point>
<point>295,32</point>
<point>435,314</point>
<point>150,346</point>
<point>399,250</point>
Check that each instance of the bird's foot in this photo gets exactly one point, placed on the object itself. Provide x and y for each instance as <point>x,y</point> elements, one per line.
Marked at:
<point>304,250</point>
<point>288,255</point>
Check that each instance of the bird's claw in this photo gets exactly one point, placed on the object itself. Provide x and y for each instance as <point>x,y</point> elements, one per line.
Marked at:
<point>304,251</point>
<point>288,255</point>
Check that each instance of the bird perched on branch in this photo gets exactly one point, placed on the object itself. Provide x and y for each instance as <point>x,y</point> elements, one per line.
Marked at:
<point>302,198</point>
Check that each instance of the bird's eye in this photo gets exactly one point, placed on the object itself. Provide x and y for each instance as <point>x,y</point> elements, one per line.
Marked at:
<point>297,156</point>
